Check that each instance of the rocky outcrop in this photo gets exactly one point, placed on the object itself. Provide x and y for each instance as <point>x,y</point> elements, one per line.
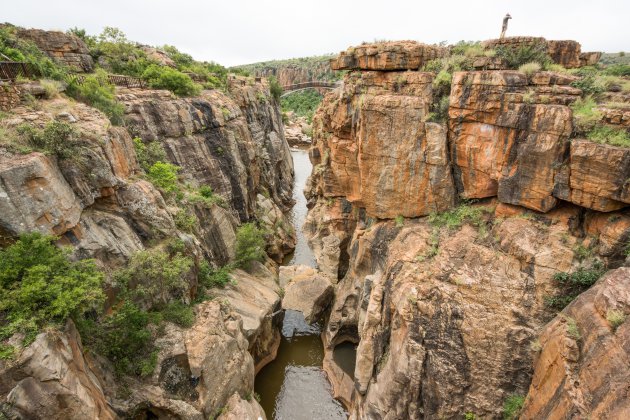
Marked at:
<point>64,48</point>
<point>444,316</point>
<point>51,379</point>
<point>373,140</point>
<point>566,53</point>
<point>388,55</point>
<point>306,291</point>
<point>581,369</point>
<point>97,200</point>
<point>240,409</point>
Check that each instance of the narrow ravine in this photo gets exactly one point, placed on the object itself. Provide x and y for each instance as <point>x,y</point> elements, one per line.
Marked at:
<point>294,385</point>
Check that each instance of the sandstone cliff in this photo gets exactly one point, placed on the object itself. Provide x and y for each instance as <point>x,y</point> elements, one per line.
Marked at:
<point>100,202</point>
<point>447,309</point>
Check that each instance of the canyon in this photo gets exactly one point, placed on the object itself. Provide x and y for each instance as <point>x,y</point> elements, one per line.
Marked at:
<point>417,270</point>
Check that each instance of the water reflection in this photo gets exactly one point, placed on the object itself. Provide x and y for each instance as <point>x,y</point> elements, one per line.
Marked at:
<point>294,385</point>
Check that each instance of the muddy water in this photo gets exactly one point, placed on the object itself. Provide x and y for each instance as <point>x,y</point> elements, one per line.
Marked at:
<point>294,386</point>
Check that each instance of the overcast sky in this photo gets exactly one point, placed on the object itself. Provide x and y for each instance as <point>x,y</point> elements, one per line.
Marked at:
<point>235,32</point>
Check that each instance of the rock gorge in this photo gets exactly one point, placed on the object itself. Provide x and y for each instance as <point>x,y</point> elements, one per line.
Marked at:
<point>452,318</point>
<point>438,240</point>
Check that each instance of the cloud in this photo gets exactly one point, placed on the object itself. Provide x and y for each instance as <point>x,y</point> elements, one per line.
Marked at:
<point>245,31</point>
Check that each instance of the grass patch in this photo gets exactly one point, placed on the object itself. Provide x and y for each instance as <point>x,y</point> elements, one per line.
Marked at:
<point>512,407</point>
<point>609,135</point>
<point>455,218</point>
<point>615,318</point>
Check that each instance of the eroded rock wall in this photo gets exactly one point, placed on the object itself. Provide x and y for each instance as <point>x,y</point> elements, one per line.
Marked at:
<point>99,202</point>
<point>447,319</point>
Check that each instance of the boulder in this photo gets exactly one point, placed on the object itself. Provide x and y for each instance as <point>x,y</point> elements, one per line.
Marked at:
<point>307,291</point>
<point>51,379</point>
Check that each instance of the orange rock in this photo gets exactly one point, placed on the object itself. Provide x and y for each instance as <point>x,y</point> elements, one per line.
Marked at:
<point>582,369</point>
<point>397,55</point>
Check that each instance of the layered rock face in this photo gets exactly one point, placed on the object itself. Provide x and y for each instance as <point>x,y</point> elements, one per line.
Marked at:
<point>99,202</point>
<point>582,367</point>
<point>447,318</point>
<point>396,55</point>
<point>566,53</point>
<point>65,48</point>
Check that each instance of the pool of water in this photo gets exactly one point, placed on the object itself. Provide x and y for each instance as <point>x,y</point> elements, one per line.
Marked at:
<point>294,385</point>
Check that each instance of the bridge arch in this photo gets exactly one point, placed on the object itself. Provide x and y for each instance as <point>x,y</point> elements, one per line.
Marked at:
<point>289,89</point>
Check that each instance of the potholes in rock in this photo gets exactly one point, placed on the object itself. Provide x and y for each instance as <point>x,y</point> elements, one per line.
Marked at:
<point>177,380</point>
<point>345,356</point>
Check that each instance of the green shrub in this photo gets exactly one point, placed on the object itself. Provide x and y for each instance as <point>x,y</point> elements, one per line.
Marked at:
<point>214,278</point>
<point>590,84</point>
<point>250,244</point>
<point>154,277</point>
<point>164,176</point>
<point>609,135</point>
<point>400,221</point>
<point>453,219</point>
<point>572,284</point>
<point>162,77</point>
<point>275,88</point>
<point>206,196</point>
<point>443,79</point>
<point>618,70</point>
<point>119,55</point>
<point>148,153</point>
<point>468,49</point>
<point>185,221</point>
<point>512,407</point>
<point>516,57</point>
<point>179,313</point>
<point>124,338</point>
<point>97,91</point>
<point>40,285</point>
<point>57,138</point>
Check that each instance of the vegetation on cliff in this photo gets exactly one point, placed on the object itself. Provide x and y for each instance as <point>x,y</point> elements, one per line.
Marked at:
<point>302,103</point>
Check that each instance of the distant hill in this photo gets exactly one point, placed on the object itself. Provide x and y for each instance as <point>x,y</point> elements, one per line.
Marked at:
<point>294,70</point>
<point>615,58</point>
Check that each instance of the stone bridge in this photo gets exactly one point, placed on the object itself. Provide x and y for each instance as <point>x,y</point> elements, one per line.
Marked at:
<point>310,85</point>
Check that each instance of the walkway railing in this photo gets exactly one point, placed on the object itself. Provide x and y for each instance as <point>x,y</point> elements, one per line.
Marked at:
<point>118,80</point>
<point>11,70</point>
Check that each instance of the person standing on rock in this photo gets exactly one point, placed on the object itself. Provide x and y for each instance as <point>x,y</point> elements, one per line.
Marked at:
<point>505,24</point>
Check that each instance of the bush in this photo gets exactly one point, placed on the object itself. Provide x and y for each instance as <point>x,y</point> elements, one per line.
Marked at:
<point>185,221</point>
<point>97,91</point>
<point>124,338</point>
<point>162,77</point>
<point>179,314</point>
<point>590,84</point>
<point>572,284</point>
<point>40,285</point>
<point>516,57</point>
<point>453,219</point>
<point>250,244</point>
<point>530,68</point>
<point>400,221</point>
<point>512,407</point>
<point>206,196</point>
<point>214,278</point>
<point>57,138</point>
<point>615,318</point>
<point>164,176</point>
<point>148,153</point>
<point>154,277</point>
<point>275,88</point>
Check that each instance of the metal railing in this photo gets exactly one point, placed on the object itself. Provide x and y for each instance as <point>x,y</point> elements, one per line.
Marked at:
<point>11,70</point>
<point>118,80</point>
